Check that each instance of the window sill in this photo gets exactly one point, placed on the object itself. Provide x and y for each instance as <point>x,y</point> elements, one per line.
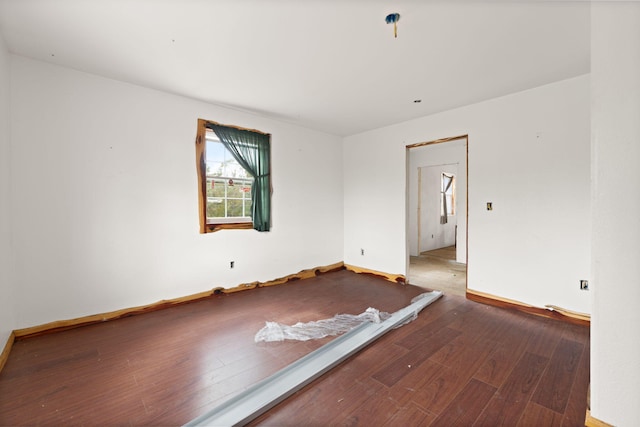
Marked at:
<point>211,228</point>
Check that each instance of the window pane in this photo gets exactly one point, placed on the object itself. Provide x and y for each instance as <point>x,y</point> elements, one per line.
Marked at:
<point>214,169</point>
<point>235,190</point>
<point>216,189</point>
<point>215,151</point>
<point>215,208</point>
<point>234,207</point>
<point>234,170</point>
<point>226,200</point>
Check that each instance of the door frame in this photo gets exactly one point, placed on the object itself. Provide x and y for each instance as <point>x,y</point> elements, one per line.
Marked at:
<point>408,149</point>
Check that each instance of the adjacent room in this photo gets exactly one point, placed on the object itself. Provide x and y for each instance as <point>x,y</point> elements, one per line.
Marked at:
<point>174,174</point>
<point>437,195</point>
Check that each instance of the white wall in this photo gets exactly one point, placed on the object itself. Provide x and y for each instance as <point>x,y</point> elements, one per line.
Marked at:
<point>615,88</point>
<point>105,201</point>
<point>7,312</point>
<point>452,152</point>
<point>528,154</point>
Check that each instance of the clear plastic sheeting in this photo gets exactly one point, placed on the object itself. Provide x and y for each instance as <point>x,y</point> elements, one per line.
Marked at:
<point>336,325</point>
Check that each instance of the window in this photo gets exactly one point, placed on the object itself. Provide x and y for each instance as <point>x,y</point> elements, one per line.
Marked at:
<point>233,166</point>
<point>228,185</point>
<point>447,193</point>
<point>449,185</point>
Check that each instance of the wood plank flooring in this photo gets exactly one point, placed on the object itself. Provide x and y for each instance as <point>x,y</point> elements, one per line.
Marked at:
<point>460,363</point>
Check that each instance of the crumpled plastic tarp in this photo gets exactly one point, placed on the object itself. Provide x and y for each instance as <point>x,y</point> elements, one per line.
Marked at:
<point>336,325</point>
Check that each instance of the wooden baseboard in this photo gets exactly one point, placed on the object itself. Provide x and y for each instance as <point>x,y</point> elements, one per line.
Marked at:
<point>551,311</point>
<point>304,274</point>
<point>397,278</point>
<point>594,422</point>
<point>62,325</point>
<point>4,356</point>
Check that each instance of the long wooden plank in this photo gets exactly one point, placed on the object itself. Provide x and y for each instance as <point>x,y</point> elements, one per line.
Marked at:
<point>397,369</point>
<point>273,390</point>
<point>555,385</point>
<point>510,401</point>
<point>466,406</point>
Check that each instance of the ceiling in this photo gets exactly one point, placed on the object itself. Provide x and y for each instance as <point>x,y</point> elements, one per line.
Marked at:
<point>329,65</point>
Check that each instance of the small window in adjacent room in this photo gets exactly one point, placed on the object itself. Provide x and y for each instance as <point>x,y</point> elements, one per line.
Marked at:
<point>448,197</point>
<point>233,177</point>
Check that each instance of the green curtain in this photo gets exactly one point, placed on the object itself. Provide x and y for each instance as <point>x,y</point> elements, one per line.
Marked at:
<point>252,151</point>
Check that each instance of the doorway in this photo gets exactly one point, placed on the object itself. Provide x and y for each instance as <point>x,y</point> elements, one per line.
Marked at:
<point>437,214</point>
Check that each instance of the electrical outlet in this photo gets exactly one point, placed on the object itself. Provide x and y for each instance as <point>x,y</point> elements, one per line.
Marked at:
<point>232,264</point>
<point>361,251</point>
<point>584,285</point>
<point>489,206</point>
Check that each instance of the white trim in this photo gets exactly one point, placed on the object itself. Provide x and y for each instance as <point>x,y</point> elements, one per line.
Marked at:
<point>229,220</point>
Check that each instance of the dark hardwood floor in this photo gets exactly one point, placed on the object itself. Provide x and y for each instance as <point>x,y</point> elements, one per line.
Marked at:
<point>460,363</point>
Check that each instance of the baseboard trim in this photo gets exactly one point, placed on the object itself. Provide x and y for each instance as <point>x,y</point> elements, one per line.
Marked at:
<point>594,422</point>
<point>396,278</point>
<point>62,325</point>
<point>550,311</point>
<point>304,274</point>
<point>4,356</point>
